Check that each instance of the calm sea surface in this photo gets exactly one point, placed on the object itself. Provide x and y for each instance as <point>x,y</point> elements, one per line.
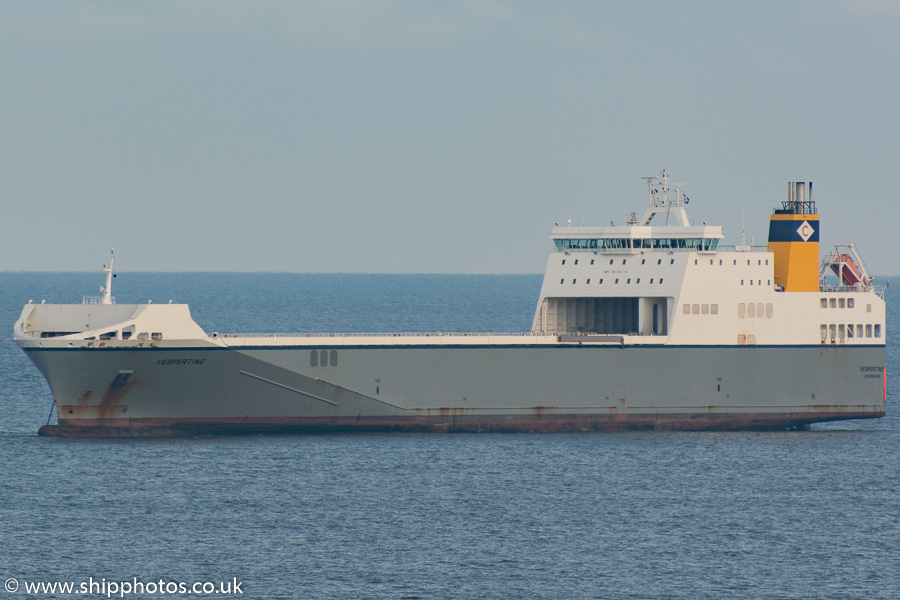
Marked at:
<point>812,514</point>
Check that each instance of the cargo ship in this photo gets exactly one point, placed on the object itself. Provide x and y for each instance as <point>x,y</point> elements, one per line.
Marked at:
<point>654,324</point>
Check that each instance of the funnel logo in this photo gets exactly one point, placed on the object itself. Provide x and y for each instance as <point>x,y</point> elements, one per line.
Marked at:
<point>805,230</point>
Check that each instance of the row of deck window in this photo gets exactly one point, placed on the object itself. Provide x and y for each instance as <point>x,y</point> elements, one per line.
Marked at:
<point>849,331</point>
<point>755,310</point>
<point>837,302</point>
<point>627,280</point>
<point>703,244</point>
<point>701,309</point>
<point>625,261</point>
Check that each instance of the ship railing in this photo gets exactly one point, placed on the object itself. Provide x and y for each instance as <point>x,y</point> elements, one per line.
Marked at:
<point>853,289</point>
<point>96,300</point>
<point>723,248</point>
<point>414,334</point>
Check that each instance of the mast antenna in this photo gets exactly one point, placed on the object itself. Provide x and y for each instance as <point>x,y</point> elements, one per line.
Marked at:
<point>107,289</point>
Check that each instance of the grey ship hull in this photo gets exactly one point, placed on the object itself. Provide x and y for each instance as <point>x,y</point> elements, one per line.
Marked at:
<point>554,387</point>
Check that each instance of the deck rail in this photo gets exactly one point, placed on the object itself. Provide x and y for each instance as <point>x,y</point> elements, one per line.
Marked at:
<point>415,334</point>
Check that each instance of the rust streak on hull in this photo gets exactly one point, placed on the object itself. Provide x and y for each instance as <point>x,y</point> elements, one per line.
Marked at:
<point>454,423</point>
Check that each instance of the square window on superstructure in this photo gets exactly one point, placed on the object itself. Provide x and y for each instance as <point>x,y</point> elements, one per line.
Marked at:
<point>651,280</point>
<point>660,279</point>
<point>574,281</point>
<point>562,281</point>
<point>823,302</point>
<point>859,331</point>
<point>672,261</point>
<point>588,281</point>
<point>851,302</point>
<point>686,309</point>
<point>601,281</point>
<point>695,308</point>
<point>592,261</point>
<point>713,309</point>
<point>869,330</point>
<point>659,262</point>
<point>638,280</point>
<point>842,303</point>
<point>832,302</point>
<point>610,261</point>
<point>878,330</point>
<point>564,261</point>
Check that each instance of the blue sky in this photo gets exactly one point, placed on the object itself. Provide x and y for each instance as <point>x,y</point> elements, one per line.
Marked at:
<point>442,137</point>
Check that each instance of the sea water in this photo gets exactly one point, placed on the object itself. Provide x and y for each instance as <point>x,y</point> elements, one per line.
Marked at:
<point>811,514</point>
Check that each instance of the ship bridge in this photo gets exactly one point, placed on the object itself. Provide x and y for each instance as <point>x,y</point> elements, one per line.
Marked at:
<point>623,279</point>
<point>671,232</point>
